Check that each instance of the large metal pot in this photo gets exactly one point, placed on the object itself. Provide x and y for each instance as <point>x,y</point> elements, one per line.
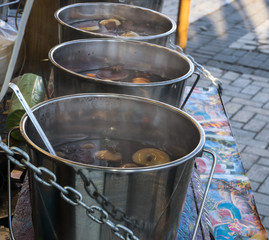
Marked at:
<point>81,12</point>
<point>71,58</point>
<point>146,200</point>
<point>152,4</point>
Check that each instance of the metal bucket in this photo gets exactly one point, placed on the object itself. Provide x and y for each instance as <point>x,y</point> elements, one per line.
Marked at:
<point>71,58</point>
<point>140,17</point>
<point>147,201</point>
<point>152,4</point>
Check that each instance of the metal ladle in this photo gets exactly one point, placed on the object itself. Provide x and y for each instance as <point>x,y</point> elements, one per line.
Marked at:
<point>32,117</point>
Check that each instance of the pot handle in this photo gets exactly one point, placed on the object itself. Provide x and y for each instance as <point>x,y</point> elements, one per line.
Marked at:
<point>201,69</point>
<point>205,192</point>
<point>191,90</point>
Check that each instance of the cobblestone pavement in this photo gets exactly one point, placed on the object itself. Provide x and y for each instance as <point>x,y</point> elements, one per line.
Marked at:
<point>231,40</point>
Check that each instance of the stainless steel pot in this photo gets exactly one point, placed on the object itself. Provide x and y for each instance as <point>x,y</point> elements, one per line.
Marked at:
<point>68,15</point>
<point>146,200</point>
<point>70,58</point>
<point>152,4</point>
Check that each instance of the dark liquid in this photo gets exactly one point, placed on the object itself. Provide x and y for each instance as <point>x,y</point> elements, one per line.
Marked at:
<point>124,75</point>
<point>145,29</point>
<point>85,151</point>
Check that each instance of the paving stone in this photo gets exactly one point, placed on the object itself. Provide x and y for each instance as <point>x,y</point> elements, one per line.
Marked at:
<point>261,117</point>
<point>219,64</point>
<point>256,110</point>
<point>249,42</point>
<point>254,185</point>
<point>252,55</point>
<point>207,52</point>
<point>229,92</point>
<point>242,69</point>
<point>252,142</point>
<point>232,107</point>
<point>264,161</point>
<point>249,48</point>
<point>257,78</point>
<point>231,88</point>
<point>241,82</point>
<point>262,199</point>
<point>251,89</point>
<point>248,37</point>
<point>259,151</point>
<point>250,102</point>
<point>266,106</point>
<point>265,90</point>
<point>258,173</point>
<point>264,85</point>
<point>239,53</point>
<point>242,134</point>
<point>261,72</point>
<point>263,135</point>
<point>231,75</point>
<point>265,222</point>
<point>264,186</point>
<point>228,51</point>
<point>262,208</point>
<point>225,82</point>
<point>243,116</point>
<point>235,124</point>
<point>248,159</point>
<point>264,49</point>
<point>226,99</point>
<point>255,125</point>
<point>240,147</point>
<point>226,58</point>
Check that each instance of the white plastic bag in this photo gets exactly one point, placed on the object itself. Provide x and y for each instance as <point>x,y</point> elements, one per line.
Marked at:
<point>7,38</point>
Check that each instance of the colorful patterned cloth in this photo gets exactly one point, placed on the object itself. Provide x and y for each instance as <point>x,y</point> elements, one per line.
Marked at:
<point>230,201</point>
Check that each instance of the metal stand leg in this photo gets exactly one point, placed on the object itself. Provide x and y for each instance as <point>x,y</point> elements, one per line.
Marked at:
<point>205,193</point>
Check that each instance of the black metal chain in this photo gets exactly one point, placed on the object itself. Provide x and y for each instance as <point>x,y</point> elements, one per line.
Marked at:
<point>69,194</point>
<point>115,212</point>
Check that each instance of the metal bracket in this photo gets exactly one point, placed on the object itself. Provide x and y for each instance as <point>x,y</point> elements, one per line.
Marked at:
<point>205,193</point>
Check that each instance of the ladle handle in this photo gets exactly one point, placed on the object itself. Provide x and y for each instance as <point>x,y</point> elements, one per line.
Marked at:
<point>32,117</point>
<point>205,193</point>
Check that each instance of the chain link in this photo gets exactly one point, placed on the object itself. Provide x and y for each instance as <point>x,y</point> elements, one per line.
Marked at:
<point>69,194</point>
<point>200,68</point>
<point>115,212</point>
<point>37,176</point>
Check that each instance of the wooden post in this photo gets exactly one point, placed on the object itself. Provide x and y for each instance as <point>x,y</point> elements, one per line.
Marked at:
<point>183,23</point>
<point>41,33</point>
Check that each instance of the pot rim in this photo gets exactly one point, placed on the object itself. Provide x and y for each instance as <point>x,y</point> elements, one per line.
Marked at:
<point>197,150</point>
<point>98,35</point>
<point>119,83</point>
